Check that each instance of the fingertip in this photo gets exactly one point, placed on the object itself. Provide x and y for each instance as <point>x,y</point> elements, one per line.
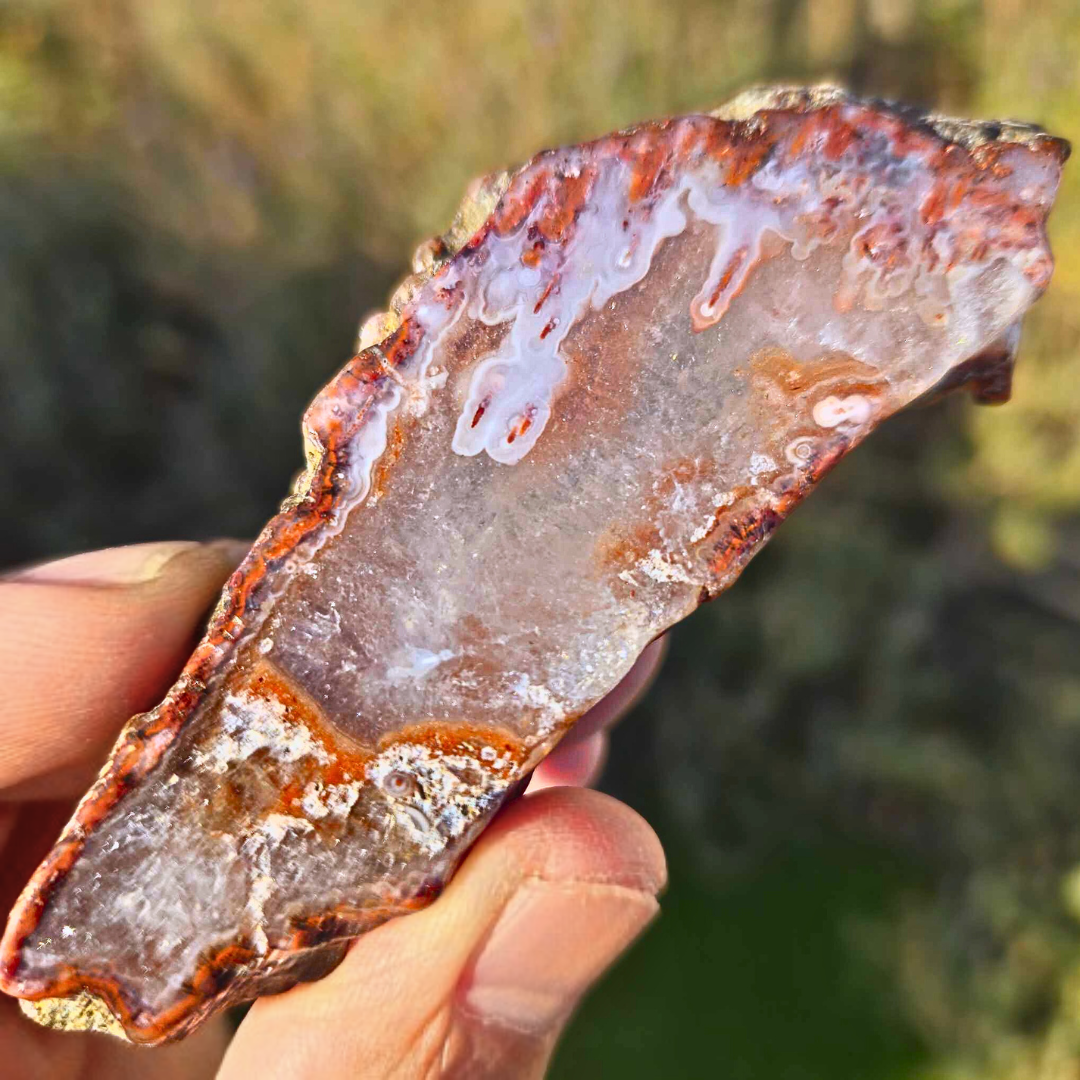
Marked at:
<point>588,869</point>
<point>88,641</point>
<point>578,834</point>
<point>211,562</point>
<point>548,946</point>
<point>133,564</point>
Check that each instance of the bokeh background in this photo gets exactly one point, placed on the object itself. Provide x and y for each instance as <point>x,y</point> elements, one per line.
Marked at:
<point>864,760</point>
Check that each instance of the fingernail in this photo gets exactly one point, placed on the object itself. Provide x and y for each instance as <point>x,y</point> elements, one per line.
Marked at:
<point>131,565</point>
<point>552,941</point>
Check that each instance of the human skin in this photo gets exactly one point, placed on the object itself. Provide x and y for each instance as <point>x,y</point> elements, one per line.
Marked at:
<point>480,984</point>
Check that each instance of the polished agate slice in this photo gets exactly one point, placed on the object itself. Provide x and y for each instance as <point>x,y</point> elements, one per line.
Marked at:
<point>594,401</point>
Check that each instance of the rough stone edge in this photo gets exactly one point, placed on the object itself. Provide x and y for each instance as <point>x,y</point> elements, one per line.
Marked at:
<point>970,134</point>
<point>80,1012</point>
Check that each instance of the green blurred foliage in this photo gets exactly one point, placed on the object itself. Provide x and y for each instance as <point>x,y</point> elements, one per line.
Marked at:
<point>864,758</point>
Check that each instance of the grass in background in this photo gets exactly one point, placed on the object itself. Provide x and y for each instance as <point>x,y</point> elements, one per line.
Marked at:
<point>863,759</point>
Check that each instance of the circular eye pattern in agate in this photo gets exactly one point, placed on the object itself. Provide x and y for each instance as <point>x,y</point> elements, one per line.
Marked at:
<point>399,784</point>
<point>800,451</point>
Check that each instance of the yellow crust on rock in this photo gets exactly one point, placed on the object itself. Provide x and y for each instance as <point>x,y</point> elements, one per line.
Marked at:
<point>82,1012</point>
<point>971,134</point>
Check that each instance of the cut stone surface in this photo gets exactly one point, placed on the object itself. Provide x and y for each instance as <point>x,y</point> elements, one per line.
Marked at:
<point>596,398</point>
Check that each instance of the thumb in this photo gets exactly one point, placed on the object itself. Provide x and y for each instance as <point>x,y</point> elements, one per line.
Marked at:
<point>87,641</point>
<point>482,983</point>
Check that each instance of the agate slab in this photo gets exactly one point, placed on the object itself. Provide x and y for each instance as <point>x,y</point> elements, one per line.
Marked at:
<point>595,399</point>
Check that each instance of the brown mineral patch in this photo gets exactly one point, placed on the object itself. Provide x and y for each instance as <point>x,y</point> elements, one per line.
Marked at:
<point>621,547</point>
<point>396,441</point>
<point>799,376</point>
<point>782,380</point>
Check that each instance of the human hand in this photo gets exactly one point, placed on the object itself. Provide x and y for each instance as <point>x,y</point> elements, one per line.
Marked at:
<point>479,984</point>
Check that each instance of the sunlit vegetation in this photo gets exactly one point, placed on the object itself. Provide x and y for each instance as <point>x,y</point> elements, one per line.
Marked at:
<point>864,760</point>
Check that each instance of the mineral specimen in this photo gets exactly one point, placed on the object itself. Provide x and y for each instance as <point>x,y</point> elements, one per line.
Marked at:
<point>592,403</point>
